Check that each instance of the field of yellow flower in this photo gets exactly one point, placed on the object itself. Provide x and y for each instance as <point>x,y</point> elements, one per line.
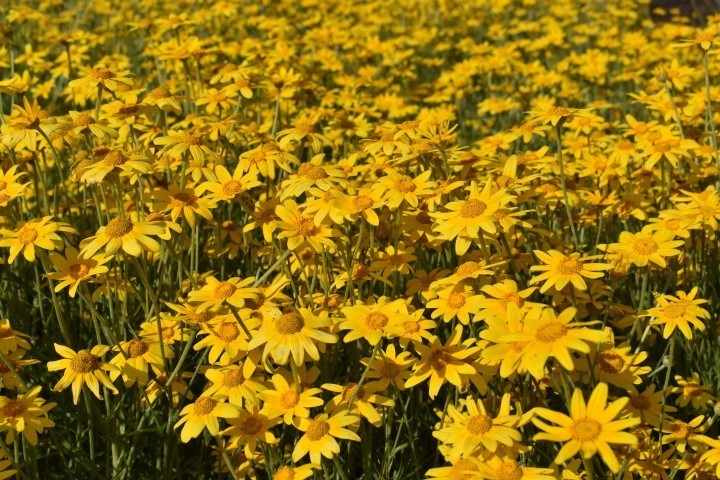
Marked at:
<point>372,240</point>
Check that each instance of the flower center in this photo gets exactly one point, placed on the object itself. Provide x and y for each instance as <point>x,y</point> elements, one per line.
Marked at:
<point>192,138</point>
<point>512,298</point>
<point>285,473</point>
<point>204,405</point>
<point>376,321</point>
<point>439,359</point>
<point>586,429</point>
<point>674,310</point>
<point>27,235</point>
<point>479,424</point>
<point>405,185</point>
<point>312,171</point>
<point>460,469</point>
<point>12,409</point>
<point>182,199</point>
<point>411,326</point>
<point>224,290</point>
<point>306,227</point>
<point>233,377</point>
<point>551,331</point>
<point>456,301</point>
<point>662,147</point>
<point>232,188</point>
<point>227,332</point>
<point>84,362</point>
<point>473,208</point>
<point>101,73</point>
<point>559,111</point>
<point>251,425</point>
<point>467,269</point>
<point>352,389</point>
<point>289,324</point>
<point>692,390</point>
<point>569,266</point>
<point>681,429</point>
<point>118,227</point>
<point>78,271</point>
<point>137,348</point>
<point>360,271</point>
<point>317,429</point>
<point>509,471</point>
<point>362,202</point>
<point>645,246</point>
<point>289,399</point>
<point>84,119</point>
<point>640,402</point>
<point>610,362</point>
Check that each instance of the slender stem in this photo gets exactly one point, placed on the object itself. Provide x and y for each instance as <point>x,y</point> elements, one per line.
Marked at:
<point>558,138</point>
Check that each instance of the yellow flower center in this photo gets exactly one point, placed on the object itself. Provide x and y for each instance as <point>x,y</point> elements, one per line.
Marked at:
<point>640,402</point>
<point>84,362</point>
<point>662,147</point>
<point>3,184</point>
<point>84,119</point>
<point>362,202</point>
<point>586,429</point>
<point>518,346</point>
<point>204,405</point>
<point>692,390</point>
<point>359,271</point>
<point>12,409</point>
<point>511,297</point>
<point>455,301</point>
<point>255,303</point>
<point>509,471</point>
<point>6,332</point>
<point>233,377</point>
<point>317,429</point>
<point>479,424</point>
<point>289,399</point>
<point>467,269</point>
<point>191,138</point>
<point>160,92</point>
<point>569,266</point>
<point>424,218</point>
<point>232,188</point>
<point>558,111</point>
<point>610,362</point>
<point>459,470</point>
<point>681,429</point>
<point>199,317</point>
<point>674,310</point>
<point>306,227</point>
<point>352,389</point>
<point>101,73</point>
<point>311,171</point>
<point>137,348</point>
<point>405,185</point>
<point>224,290</point>
<point>285,473</point>
<point>376,321</point>
<point>289,324</point>
<point>550,331</point>
<point>411,326</point>
<point>645,246</point>
<point>78,271</point>
<point>439,359</point>
<point>182,199</point>
<point>228,332</point>
<point>27,235</point>
<point>118,227</point>
<point>251,425</point>
<point>473,208</point>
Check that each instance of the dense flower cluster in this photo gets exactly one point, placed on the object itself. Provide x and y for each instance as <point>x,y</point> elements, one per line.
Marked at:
<point>445,240</point>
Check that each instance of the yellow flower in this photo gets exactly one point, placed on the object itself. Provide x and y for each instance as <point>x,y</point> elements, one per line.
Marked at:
<point>455,301</point>
<point>132,237</point>
<point>9,187</point>
<point>130,164</point>
<point>204,413</point>
<point>216,293</point>
<point>84,367</point>
<point>683,434</point>
<point>26,414</point>
<point>647,405</point>
<point>505,467</point>
<point>101,77</point>
<point>74,268</point>
<point>466,218</point>
<point>350,208</point>
<point>135,358</point>
<point>364,399</point>
<point>550,335</point>
<point>186,202</point>
<point>320,433</point>
<point>692,390</point>
<point>228,187</point>
<point>11,340</point>
<point>293,333</point>
<point>235,382</point>
<point>372,322</point>
<point>442,363</point>
<point>32,234</point>
<point>679,312</point>
<point>646,246</point>
<point>475,429</point>
<point>226,339</point>
<point>591,428</point>
<point>249,427</point>
<point>559,270</point>
<point>301,230</point>
<point>288,400</point>
<point>398,188</point>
